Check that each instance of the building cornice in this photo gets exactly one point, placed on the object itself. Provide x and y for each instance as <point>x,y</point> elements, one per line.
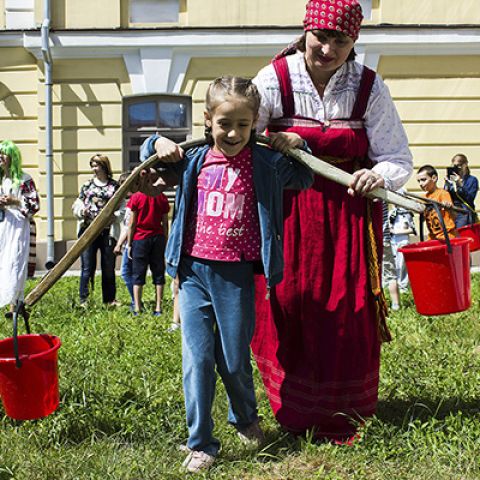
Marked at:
<point>388,40</point>
<point>157,59</point>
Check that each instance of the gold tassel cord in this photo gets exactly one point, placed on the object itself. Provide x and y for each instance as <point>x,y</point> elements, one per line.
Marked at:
<point>381,308</point>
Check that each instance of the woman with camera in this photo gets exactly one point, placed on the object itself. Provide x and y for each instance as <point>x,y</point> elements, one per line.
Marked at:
<point>463,188</point>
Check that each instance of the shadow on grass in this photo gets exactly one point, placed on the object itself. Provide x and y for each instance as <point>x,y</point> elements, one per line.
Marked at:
<point>400,412</point>
<point>278,445</point>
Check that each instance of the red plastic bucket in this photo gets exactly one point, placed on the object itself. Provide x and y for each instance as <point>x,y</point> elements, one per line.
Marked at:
<point>473,232</point>
<point>31,390</point>
<point>440,280</point>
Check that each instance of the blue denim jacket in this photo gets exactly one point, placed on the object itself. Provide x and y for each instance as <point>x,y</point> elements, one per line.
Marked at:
<point>272,172</point>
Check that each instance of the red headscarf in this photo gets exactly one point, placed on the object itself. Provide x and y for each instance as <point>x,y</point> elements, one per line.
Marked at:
<point>341,15</point>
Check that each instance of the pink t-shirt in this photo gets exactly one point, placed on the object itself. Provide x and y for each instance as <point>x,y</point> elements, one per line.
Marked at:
<point>150,212</point>
<point>222,223</point>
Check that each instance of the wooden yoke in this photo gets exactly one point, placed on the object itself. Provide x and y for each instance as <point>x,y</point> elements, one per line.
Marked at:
<point>429,201</point>
<point>338,175</point>
<point>91,233</point>
<point>104,217</point>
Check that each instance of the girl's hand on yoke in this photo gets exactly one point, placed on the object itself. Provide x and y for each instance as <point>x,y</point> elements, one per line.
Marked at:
<point>283,141</point>
<point>365,181</point>
<point>168,151</point>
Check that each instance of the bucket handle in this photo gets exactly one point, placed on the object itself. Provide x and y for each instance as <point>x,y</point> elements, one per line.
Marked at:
<point>19,308</point>
<point>436,207</point>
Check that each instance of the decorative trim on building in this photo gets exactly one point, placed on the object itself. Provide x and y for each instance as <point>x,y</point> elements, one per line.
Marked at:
<point>19,14</point>
<point>157,60</point>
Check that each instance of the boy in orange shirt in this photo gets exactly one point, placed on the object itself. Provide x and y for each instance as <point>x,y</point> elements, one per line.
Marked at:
<point>427,178</point>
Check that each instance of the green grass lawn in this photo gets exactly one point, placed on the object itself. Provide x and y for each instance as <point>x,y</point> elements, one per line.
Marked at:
<point>122,416</point>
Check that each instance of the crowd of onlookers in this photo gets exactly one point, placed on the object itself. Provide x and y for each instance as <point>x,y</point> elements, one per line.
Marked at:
<point>459,192</point>
<point>138,232</point>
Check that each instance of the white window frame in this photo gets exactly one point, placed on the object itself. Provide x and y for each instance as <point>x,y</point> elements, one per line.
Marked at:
<point>19,14</point>
<point>366,8</point>
<point>154,11</point>
<point>130,133</point>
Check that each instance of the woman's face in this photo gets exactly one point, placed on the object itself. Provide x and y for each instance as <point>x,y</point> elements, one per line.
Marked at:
<point>461,164</point>
<point>324,53</point>
<point>5,162</point>
<point>96,168</point>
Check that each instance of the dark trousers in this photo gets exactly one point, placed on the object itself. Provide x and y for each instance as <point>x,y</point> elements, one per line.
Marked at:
<point>105,243</point>
<point>148,252</point>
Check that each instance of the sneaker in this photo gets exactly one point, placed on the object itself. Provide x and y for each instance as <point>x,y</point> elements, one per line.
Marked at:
<point>395,307</point>
<point>197,461</point>
<point>173,327</point>
<point>157,313</point>
<point>252,435</point>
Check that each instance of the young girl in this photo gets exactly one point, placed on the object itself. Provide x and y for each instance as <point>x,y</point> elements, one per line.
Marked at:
<point>228,220</point>
<point>19,201</point>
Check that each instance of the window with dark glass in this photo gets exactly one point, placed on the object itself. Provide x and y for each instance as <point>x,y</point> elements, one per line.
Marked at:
<point>143,115</point>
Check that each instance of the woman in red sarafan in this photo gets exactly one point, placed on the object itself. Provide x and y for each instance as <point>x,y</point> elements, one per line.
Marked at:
<point>319,332</point>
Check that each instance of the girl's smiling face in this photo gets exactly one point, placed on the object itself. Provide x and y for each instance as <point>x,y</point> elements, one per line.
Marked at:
<point>232,122</point>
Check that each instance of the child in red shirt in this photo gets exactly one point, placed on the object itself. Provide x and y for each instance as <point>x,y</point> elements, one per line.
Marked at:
<point>148,230</point>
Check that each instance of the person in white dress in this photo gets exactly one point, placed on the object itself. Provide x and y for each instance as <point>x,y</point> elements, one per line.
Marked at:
<point>19,201</point>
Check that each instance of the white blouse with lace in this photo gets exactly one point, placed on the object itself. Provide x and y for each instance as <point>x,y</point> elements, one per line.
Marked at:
<point>388,141</point>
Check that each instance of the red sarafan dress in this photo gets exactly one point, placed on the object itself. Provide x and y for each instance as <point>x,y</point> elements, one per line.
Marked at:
<point>317,341</point>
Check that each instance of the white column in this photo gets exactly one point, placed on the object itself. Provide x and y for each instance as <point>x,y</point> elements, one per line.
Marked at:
<point>135,71</point>
<point>156,69</point>
<point>178,70</point>
<point>156,64</point>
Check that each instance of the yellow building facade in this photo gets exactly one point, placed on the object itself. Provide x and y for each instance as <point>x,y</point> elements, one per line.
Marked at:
<point>105,54</point>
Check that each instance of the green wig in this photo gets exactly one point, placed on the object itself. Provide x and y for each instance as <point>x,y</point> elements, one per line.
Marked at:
<point>7,147</point>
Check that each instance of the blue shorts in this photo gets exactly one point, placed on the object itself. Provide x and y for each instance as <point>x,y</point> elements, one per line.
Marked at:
<point>149,252</point>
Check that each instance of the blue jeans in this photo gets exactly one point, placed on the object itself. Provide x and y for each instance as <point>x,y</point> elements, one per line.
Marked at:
<point>126,273</point>
<point>216,301</point>
<point>105,243</point>
<point>462,219</point>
